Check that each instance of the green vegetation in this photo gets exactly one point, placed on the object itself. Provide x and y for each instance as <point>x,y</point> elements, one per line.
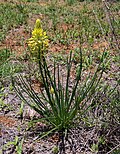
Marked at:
<point>8,65</point>
<point>17,145</point>
<point>12,15</point>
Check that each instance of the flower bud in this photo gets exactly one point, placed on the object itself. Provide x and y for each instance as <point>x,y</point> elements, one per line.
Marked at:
<point>38,23</point>
<point>51,90</point>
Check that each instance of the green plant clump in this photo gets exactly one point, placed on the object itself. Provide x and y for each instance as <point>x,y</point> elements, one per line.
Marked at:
<point>57,105</point>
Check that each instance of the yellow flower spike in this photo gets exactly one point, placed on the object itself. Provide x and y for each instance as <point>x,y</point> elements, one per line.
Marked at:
<point>39,39</point>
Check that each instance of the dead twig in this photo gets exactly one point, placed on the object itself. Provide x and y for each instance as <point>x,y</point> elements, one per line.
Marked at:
<point>113,149</point>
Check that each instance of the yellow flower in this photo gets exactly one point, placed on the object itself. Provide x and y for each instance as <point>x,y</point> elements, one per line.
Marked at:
<point>39,39</point>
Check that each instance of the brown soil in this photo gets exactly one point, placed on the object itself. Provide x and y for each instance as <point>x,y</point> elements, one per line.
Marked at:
<point>7,121</point>
<point>16,40</point>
